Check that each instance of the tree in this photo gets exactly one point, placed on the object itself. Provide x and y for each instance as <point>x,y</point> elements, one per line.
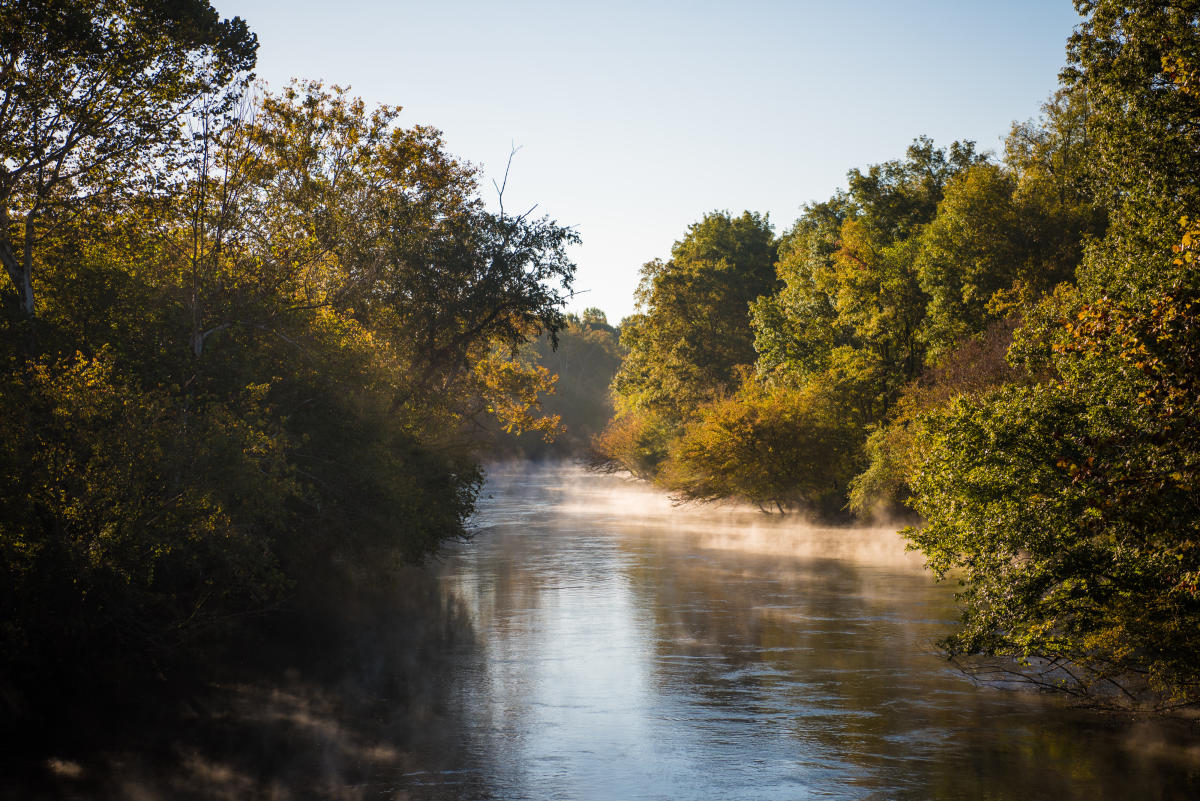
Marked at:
<point>583,364</point>
<point>781,448</point>
<point>849,271</point>
<point>796,328</point>
<point>91,93</point>
<point>1131,61</point>
<point>692,330</point>
<point>999,238</point>
<point>260,371</point>
<point>1070,504</point>
<point>894,450</point>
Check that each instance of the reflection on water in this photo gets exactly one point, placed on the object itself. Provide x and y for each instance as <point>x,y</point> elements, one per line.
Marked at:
<point>592,642</point>
<point>635,650</point>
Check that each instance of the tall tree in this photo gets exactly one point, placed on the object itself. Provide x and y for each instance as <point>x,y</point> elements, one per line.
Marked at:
<point>796,328</point>
<point>1132,61</point>
<point>1070,504</point>
<point>692,329</point>
<point>850,274</point>
<point>91,93</point>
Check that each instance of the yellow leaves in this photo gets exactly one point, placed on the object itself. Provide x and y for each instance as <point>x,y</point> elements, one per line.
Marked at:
<point>512,390</point>
<point>1182,74</point>
<point>1186,249</point>
<point>80,389</point>
<point>1003,302</point>
<point>257,392</point>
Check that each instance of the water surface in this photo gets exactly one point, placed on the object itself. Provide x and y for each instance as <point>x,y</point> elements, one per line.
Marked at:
<point>639,651</point>
<point>593,642</point>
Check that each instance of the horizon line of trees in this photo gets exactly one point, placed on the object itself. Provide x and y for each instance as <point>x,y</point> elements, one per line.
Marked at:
<point>1008,346</point>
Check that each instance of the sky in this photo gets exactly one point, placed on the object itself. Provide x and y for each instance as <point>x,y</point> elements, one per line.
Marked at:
<point>635,119</point>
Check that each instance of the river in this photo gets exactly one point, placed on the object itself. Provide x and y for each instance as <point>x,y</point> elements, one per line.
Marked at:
<point>594,642</point>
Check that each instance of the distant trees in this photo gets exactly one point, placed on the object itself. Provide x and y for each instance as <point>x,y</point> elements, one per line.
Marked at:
<point>581,367</point>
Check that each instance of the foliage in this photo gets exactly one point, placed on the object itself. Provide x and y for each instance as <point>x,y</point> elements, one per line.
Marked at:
<point>996,231</point>
<point>1069,506</point>
<point>1074,531</point>
<point>583,366</point>
<point>1002,236</point>
<point>849,268</point>
<point>91,96</point>
<point>1131,61</point>
<point>791,449</point>
<point>692,329</point>
<point>894,450</point>
<point>263,366</point>
<point>116,529</point>
<point>511,391</point>
<point>848,326</point>
<point>638,441</point>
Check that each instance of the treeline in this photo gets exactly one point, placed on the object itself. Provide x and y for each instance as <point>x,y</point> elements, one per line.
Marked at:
<point>248,338</point>
<point>1008,345</point>
<point>582,358</point>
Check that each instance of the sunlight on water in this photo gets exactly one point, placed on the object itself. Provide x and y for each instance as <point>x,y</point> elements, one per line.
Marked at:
<point>593,642</point>
<point>636,649</point>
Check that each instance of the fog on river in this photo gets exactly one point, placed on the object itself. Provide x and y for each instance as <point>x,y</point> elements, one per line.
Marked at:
<point>595,642</point>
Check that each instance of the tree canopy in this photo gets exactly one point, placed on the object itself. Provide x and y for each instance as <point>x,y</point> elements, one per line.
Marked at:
<point>91,95</point>
<point>1006,345</point>
<point>254,337</point>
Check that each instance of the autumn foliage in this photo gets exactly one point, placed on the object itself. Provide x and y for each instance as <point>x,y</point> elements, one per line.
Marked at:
<point>1009,347</point>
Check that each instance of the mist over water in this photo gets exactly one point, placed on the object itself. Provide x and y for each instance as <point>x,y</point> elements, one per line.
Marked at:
<point>644,650</point>
<point>593,641</point>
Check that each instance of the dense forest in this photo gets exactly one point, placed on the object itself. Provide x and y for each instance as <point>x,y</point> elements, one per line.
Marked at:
<point>249,337</point>
<point>254,338</point>
<point>1005,344</point>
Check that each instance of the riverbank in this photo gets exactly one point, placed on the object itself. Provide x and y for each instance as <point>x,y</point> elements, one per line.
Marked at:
<point>593,642</point>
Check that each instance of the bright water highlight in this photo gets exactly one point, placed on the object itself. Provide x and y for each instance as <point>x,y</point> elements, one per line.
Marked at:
<point>594,643</point>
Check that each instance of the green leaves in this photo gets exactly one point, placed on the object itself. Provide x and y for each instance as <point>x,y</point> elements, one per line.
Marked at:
<point>90,97</point>
<point>779,449</point>
<point>692,329</point>
<point>264,366</point>
<point>1058,512</point>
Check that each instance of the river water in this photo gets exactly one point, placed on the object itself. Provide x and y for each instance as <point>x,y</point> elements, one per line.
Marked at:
<point>593,642</point>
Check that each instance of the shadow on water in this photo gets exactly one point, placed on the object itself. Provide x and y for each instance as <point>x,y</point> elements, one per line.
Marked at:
<point>595,643</point>
<point>347,694</point>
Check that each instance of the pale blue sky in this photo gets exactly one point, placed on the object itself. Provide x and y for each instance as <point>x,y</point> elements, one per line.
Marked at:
<point>635,119</point>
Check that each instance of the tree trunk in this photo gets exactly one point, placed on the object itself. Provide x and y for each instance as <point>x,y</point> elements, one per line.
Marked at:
<point>26,286</point>
<point>20,270</point>
<point>11,265</point>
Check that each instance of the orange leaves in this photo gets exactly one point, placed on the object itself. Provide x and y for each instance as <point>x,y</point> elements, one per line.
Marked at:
<point>512,389</point>
<point>1185,251</point>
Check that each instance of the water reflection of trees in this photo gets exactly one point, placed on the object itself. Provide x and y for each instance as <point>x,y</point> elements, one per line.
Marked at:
<point>839,658</point>
<point>757,675</point>
<point>354,693</point>
<point>821,672</point>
